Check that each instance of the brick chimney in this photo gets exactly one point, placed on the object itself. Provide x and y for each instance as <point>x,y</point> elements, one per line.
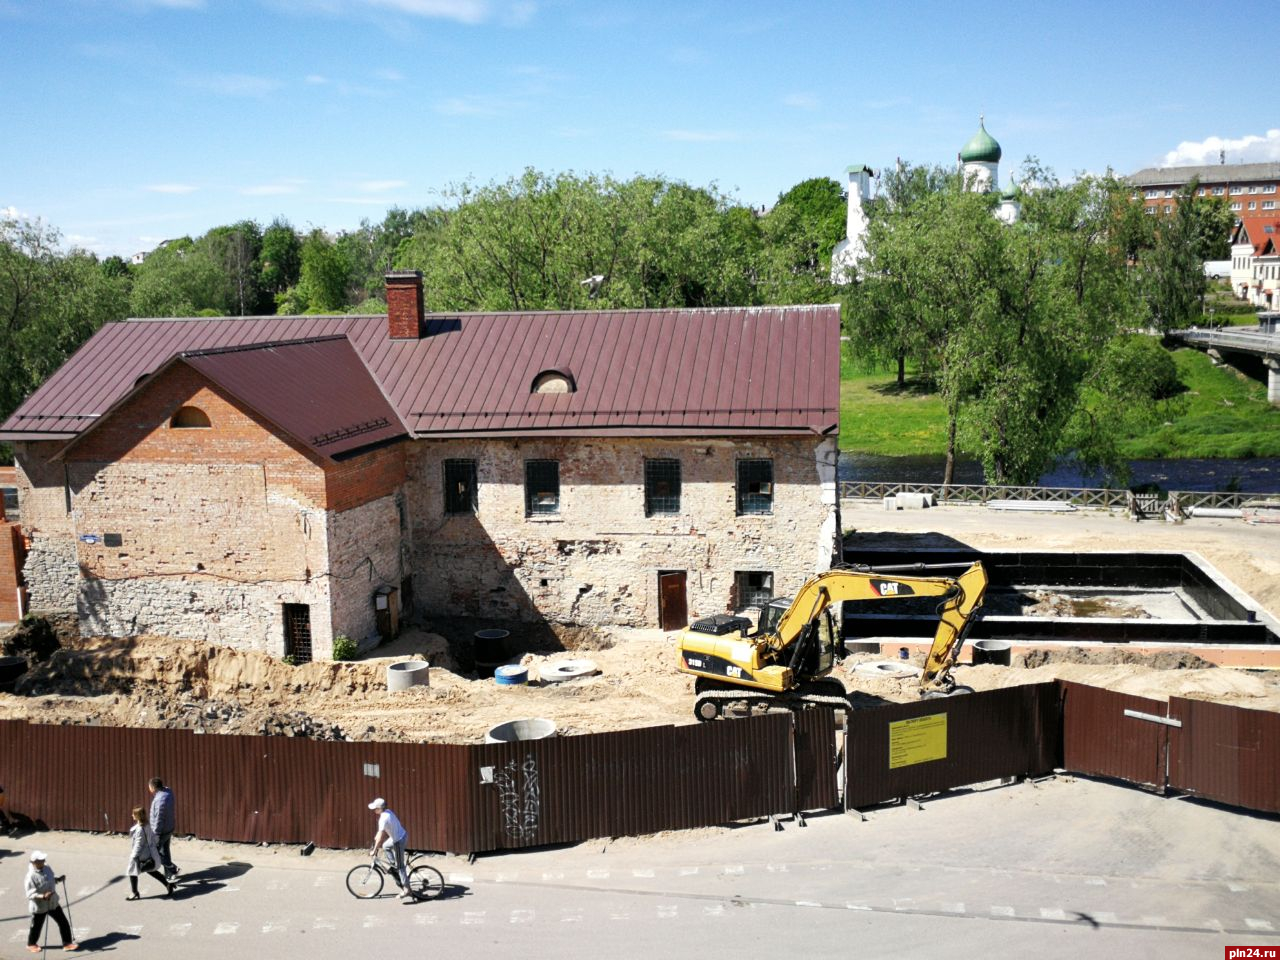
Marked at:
<point>404,305</point>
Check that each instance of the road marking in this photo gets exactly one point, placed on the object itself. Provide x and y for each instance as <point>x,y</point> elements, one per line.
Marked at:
<point>1003,912</point>
<point>734,870</point>
<point>1095,881</point>
<point>571,916</point>
<point>80,933</point>
<point>461,878</point>
<point>903,903</point>
<point>426,920</point>
<point>620,916</point>
<point>598,874</point>
<point>1053,913</point>
<point>132,931</point>
<point>323,880</point>
<point>857,905</point>
<point>1255,924</point>
<point>372,920</point>
<point>804,903</point>
<point>1237,887</point>
<point>179,929</point>
<point>687,872</point>
<point>553,875</point>
<point>473,917</point>
<point>645,872</point>
<point>82,892</point>
<point>272,926</point>
<point>325,923</point>
<point>226,927</point>
<point>953,907</point>
<point>522,916</point>
<point>278,885</point>
<point>776,867</point>
<point>667,911</point>
<point>506,877</point>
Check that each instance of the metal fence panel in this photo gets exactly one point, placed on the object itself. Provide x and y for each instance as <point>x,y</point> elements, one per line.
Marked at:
<point>908,749</point>
<point>815,753</point>
<point>1100,740</point>
<point>1225,753</point>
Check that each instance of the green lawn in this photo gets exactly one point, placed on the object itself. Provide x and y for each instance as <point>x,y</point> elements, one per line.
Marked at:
<point>1222,414</point>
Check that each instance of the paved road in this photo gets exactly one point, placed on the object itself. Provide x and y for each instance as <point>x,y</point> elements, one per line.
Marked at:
<point>1053,869</point>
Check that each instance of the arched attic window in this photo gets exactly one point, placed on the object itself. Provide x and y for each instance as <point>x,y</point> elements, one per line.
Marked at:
<point>189,418</point>
<point>554,381</point>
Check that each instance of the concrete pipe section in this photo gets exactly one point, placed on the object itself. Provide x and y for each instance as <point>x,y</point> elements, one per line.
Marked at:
<point>997,652</point>
<point>887,668</point>
<point>410,673</point>
<point>514,730</point>
<point>566,670</point>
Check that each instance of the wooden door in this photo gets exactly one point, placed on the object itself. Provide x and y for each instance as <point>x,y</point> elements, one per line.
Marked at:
<point>673,609</point>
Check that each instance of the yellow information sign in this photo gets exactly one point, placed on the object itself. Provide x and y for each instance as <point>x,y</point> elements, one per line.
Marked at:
<point>918,740</point>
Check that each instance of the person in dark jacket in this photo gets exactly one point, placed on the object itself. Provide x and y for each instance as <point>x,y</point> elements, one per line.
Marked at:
<point>42,902</point>
<point>163,821</point>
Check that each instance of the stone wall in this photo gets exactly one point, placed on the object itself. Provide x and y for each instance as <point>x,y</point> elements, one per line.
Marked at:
<point>365,553</point>
<point>597,560</point>
<point>50,568</point>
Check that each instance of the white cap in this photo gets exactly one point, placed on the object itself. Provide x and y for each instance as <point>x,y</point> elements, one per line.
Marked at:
<point>38,855</point>
<point>378,804</point>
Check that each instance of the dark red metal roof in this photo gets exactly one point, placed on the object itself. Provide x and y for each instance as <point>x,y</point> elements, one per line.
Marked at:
<point>723,371</point>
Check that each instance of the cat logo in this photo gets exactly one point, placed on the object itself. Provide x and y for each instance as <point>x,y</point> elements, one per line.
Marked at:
<point>886,588</point>
<point>733,671</point>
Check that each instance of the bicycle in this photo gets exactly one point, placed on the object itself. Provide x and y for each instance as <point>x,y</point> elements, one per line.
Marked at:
<point>366,880</point>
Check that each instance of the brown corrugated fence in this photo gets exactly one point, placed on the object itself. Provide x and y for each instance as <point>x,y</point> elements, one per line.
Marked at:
<point>481,797</point>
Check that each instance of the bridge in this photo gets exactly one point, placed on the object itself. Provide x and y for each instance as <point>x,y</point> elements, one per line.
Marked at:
<point>1262,341</point>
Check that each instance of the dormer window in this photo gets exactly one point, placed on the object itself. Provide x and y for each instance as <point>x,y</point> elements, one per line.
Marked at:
<point>189,418</point>
<point>554,381</point>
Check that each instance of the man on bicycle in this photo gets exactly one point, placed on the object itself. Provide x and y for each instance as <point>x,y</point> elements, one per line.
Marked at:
<point>392,837</point>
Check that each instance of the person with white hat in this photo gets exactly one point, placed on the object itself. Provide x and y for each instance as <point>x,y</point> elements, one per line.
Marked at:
<point>42,902</point>
<point>392,837</point>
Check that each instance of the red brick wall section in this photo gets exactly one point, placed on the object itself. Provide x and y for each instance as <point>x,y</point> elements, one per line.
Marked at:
<point>12,556</point>
<point>363,479</point>
<point>404,305</point>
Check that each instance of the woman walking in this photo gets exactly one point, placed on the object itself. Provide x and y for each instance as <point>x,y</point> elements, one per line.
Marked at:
<point>42,902</point>
<point>144,857</point>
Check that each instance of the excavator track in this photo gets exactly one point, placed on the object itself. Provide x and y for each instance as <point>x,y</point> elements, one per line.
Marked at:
<point>715,699</point>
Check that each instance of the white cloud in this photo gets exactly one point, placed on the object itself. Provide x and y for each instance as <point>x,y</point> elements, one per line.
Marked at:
<point>472,106</point>
<point>701,136</point>
<point>380,186</point>
<point>1250,148</point>
<point>13,213</point>
<point>235,84</point>
<point>801,101</point>
<point>463,11</point>
<point>316,78</point>
<point>173,188</point>
<point>393,76</point>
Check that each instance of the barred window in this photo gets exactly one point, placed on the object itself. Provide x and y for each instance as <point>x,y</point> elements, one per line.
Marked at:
<point>755,486</point>
<point>661,487</point>
<point>753,588</point>
<point>459,486</point>
<point>541,487</point>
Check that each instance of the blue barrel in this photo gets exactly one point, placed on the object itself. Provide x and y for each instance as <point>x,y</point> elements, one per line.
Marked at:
<point>510,675</point>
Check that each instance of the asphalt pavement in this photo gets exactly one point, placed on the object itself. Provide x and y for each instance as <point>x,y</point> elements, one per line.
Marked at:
<point>1048,869</point>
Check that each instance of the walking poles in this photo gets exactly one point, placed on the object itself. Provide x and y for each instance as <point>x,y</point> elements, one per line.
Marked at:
<point>66,898</point>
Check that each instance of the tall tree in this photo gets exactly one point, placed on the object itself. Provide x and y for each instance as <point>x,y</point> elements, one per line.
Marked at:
<point>280,260</point>
<point>1171,274</point>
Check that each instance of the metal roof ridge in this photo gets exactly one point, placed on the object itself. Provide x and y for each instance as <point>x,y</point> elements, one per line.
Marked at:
<point>263,345</point>
<point>258,316</point>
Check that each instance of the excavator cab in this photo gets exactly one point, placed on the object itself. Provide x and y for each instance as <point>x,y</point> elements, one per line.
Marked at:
<point>818,649</point>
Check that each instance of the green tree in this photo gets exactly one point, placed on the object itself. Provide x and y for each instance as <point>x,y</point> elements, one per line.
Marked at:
<point>236,249</point>
<point>1170,275</point>
<point>279,261</point>
<point>50,303</point>
<point>323,279</point>
<point>1012,323</point>
<point>180,279</point>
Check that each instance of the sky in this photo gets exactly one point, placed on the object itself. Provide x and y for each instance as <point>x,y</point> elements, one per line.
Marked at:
<point>127,122</point>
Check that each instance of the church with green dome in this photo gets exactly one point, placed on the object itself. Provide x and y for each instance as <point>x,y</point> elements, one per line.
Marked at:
<point>980,166</point>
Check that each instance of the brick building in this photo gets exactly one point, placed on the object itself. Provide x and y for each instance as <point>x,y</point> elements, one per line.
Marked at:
<point>1249,189</point>
<point>273,482</point>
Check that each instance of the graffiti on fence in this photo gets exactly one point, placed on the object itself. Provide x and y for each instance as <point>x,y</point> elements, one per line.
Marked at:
<point>520,798</point>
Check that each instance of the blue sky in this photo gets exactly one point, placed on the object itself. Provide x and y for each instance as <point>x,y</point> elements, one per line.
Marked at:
<point>130,121</point>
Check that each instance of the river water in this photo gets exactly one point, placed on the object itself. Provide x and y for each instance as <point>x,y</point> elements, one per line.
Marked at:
<point>1260,475</point>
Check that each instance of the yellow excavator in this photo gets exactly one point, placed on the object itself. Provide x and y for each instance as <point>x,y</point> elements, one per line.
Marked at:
<point>786,661</point>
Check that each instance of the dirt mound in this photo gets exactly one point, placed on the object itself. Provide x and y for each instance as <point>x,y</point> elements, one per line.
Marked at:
<point>1172,660</point>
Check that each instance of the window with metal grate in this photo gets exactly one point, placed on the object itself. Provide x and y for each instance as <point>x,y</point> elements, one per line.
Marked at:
<point>661,487</point>
<point>541,487</point>
<point>460,486</point>
<point>752,588</point>
<point>755,486</point>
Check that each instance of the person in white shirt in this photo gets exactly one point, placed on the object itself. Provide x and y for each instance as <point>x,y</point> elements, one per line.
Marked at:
<point>393,837</point>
